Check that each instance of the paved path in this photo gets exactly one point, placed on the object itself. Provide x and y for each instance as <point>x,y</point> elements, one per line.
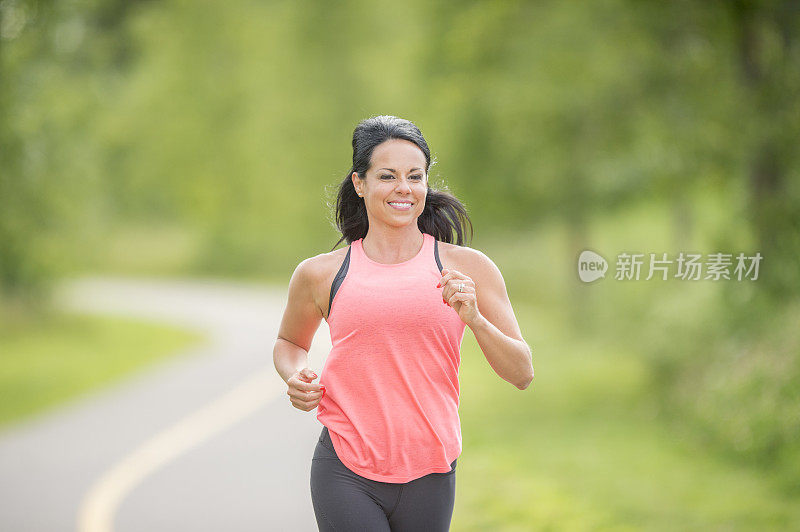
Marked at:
<point>205,441</point>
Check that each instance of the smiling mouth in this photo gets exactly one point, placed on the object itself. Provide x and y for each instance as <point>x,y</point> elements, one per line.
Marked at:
<point>401,206</point>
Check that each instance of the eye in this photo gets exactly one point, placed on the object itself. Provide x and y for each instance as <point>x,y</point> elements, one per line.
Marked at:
<point>390,176</point>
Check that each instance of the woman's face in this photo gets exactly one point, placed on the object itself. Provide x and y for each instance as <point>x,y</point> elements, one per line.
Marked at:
<point>396,183</point>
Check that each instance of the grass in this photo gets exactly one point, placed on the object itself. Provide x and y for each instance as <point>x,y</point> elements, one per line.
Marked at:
<point>50,361</point>
<point>584,449</point>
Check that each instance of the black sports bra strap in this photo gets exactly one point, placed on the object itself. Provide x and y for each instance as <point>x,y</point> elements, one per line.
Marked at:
<point>436,253</point>
<point>337,281</point>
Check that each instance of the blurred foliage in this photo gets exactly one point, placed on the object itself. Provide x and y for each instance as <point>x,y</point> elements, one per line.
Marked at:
<point>210,117</point>
<point>204,138</point>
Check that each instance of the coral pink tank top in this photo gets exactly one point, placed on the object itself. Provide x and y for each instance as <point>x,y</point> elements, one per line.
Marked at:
<point>391,378</point>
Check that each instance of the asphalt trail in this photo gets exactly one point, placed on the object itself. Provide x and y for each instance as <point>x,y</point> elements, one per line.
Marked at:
<point>204,441</point>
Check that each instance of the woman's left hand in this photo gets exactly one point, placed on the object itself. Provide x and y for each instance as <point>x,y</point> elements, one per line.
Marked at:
<point>466,302</point>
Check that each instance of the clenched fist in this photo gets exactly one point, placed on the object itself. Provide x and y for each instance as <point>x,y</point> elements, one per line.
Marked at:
<point>303,393</point>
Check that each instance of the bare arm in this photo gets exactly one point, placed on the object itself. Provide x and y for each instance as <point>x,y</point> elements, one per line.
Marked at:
<point>301,319</point>
<point>491,319</point>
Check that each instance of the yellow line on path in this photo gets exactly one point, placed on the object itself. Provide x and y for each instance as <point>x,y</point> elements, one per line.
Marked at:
<point>96,513</point>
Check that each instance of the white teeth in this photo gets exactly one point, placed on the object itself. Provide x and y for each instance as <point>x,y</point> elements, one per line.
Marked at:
<point>401,204</point>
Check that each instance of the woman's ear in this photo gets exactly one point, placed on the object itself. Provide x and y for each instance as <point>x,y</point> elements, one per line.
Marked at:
<point>354,178</point>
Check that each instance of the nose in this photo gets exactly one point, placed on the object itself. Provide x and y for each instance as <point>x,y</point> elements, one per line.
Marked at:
<point>403,186</point>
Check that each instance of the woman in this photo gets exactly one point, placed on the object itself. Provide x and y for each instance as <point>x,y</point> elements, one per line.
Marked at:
<point>397,301</point>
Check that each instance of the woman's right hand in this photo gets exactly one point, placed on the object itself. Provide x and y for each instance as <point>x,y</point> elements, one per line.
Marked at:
<point>303,393</point>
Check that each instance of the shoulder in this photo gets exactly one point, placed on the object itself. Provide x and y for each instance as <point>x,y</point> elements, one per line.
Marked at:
<point>320,268</point>
<point>317,273</point>
<point>467,260</point>
<point>314,276</point>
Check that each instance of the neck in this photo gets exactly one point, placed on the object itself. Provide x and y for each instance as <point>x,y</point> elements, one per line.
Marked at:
<point>392,245</point>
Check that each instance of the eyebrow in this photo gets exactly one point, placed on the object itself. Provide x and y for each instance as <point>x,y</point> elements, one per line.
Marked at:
<point>393,170</point>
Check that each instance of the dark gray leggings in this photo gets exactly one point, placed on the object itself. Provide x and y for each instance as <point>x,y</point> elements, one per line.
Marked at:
<point>349,502</point>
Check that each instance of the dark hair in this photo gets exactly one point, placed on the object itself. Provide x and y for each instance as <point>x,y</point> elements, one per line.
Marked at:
<point>443,215</point>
